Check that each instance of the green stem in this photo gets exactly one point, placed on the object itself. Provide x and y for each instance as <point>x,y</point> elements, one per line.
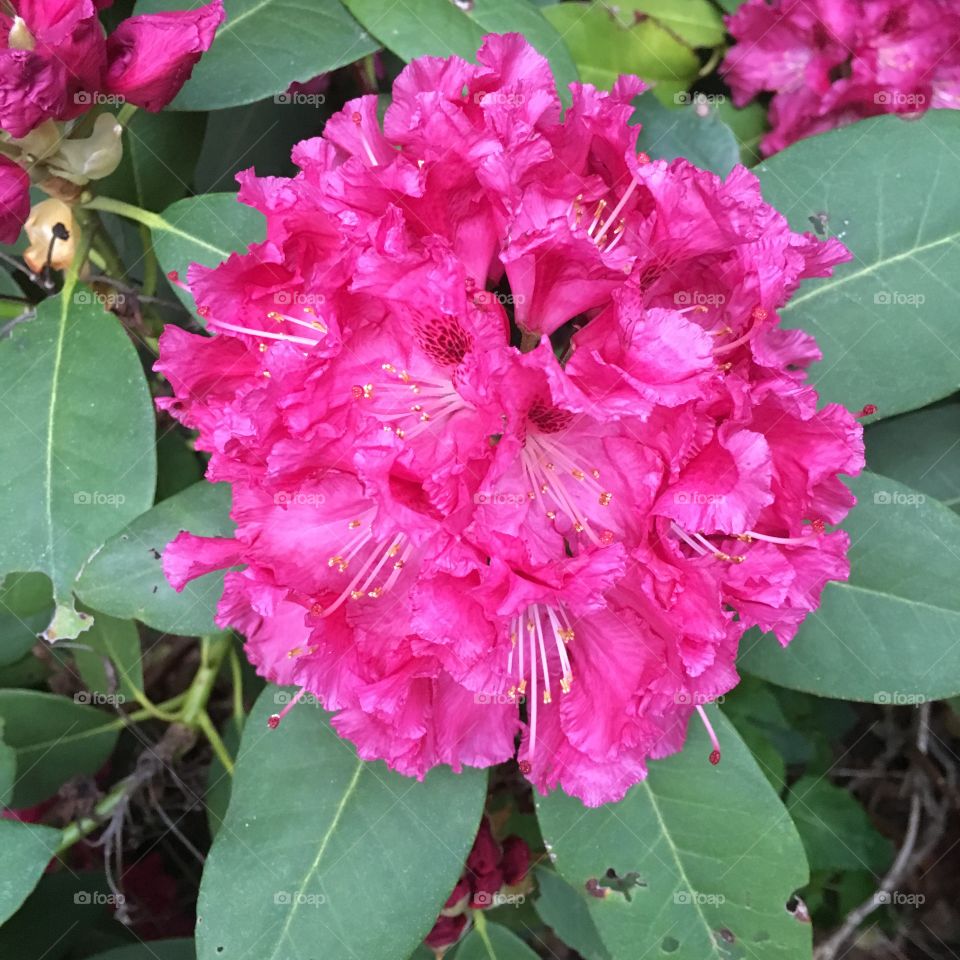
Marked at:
<point>236,675</point>
<point>108,205</point>
<point>104,245</point>
<point>150,271</point>
<point>212,651</point>
<point>126,113</point>
<point>216,741</point>
<point>76,831</point>
<point>480,922</point>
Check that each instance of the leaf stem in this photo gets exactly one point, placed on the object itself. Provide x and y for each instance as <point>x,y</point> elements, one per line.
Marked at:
<point>216,741</point>
<point>108,205</point>
<point>480,923</point>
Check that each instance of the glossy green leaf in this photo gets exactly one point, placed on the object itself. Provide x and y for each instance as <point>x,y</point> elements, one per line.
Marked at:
<point>440,28</point>
<point>311,830</point>
<point>836,831</point>
<point>264,46</point>
<point>493,942</point>
<point>693,131</point>
<point>884,321</point>
<point>889,634</point>
<point>108,659</point>
<point>125,578</point>
<point>206,230</point>
<point>54,739</point>
<point>154,950</point>
<point>565,911</point>
<point>77,459</point>
<point>603,50</point>
<point>8,769</point>
<point>26,606</point>
<point>160,151</point>
<point>695,22</point>
<point>178,466</point>
<point>703,858</point>
<point>920,449</point>
<point>27,849</point>
<point>749,124</point>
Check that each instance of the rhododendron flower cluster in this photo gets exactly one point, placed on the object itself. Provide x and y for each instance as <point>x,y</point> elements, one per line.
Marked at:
<point>831,62</point>
<point>56,64</point>
<point>494,875</point>
<point>517,445</point>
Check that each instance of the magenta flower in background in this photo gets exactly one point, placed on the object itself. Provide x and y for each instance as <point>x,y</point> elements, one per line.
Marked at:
<point>517,446</point>
<point>832,62</point>
<point>150,57</point>
<point>14,200</point>
<point>55,59</point>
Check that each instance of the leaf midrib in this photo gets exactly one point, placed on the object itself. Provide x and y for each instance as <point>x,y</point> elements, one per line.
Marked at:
<point>51,417</point>
<point>675,853</point>
<point>872,268</point>
<point>315,866</point>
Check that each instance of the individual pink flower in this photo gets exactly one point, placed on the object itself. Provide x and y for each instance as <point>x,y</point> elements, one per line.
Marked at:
<point>831,62</point>
<point>517,447</point>
<point>14,200</point>
<point>151,56</point>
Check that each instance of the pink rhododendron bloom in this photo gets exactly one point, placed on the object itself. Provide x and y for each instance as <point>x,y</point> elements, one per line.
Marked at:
<point>517,446</point>
<point>151,56</point>
<point>14,200</point>
<point>831,62</point>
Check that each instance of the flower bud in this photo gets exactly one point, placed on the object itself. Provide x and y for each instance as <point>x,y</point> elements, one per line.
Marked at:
<point>20,37</point>
<point>53,234</point>
<point>93,157</point>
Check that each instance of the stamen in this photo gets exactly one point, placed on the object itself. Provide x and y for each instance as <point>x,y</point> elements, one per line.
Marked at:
<point>715,754</point>
<point>223,325</point>
<point>371,156</point>
<point>274,720</point>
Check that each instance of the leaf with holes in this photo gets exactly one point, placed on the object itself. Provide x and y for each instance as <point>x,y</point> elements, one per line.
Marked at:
<point>264,46</point>
<point>888,634</point>
<point>125,578</point>
<point>440,28</point>
<point>77,458</point>
<point>697,862</point>
<point>206,230</point>
<point>884,321</point>
<point>311,830</point>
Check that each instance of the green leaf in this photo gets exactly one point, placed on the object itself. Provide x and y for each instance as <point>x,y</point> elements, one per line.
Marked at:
<point>884,321</point>
<point>160,151</point>
<point>54,739</point>
<point>264,46</point>
<point>8,769</point>
<point>26,606</point>
<point>921,450</point>
<point>695,22</point>
<point>178,466</point>
<point>206,230</point>
<point>27,849</point>
<point>77,459</point>
<point>217,796</point>
<point>713,852</point>
<point>836,831</point>
<point>749,124</point>
<point>602,49</point>
<point>312,833</point>
<point>125,578</point>
<point>562,909</point>
<point>154,950</point>
<point>493,942</point>
<point>889,634</point>
<point>115,643</point>
<point>441,28</point>
<point>694,132</point>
